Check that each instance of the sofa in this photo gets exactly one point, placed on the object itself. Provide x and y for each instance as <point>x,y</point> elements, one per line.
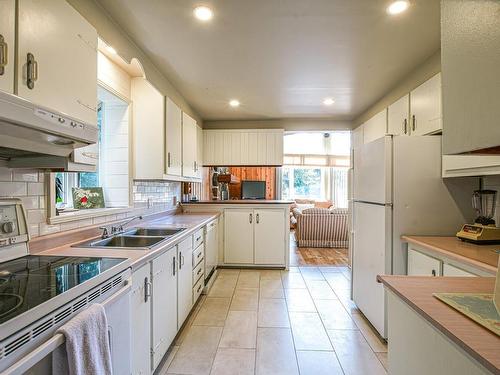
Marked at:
<point>321,227</point>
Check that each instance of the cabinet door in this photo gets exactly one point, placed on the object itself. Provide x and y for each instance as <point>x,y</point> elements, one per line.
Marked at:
<point>141,321</point>
<point>63,67</point>
<point>199,152</point>
<point>398,115</point>
<point>164,301</point>
<point>189,146</point>
<point>269,237</point>
<point>211,246</point>
<point>420,264</point>
<point>7,40</point>
<point>238,236</point>
<point>185,280</point>
<point>376,127</point>
<point>149,125</point>
<point>173,134</point>
<point>449,270</point>
<point>425,107</point>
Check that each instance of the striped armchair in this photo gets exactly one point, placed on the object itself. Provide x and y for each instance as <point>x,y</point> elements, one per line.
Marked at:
<point>321,227</point>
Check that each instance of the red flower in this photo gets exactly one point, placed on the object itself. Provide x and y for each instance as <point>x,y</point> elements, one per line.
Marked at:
<point>84,200</point>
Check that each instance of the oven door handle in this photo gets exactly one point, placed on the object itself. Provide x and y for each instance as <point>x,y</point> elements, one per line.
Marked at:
<point>31,359</point>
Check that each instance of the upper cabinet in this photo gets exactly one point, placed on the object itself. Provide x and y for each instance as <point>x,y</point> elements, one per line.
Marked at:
<point>7,39</point>
<point>425,107</point>
<point>57,58</point>
<point>243,147</point>
<point>173,141</point>
<point>376,127</point>
<point>149,128</point>
<point>398,115</point>
<point>470,61</point>
<point>189,146</point>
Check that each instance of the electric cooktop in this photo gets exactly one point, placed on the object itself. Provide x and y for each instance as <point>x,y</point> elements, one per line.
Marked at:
<point>31,280</point>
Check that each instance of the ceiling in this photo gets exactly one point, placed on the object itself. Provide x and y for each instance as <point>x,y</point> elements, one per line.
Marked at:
<point>281,58</point>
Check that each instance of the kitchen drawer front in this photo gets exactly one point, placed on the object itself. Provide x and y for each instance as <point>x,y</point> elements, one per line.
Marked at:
<point>198,254</point>
<point>197,289</point>
<point>198,272</point>
<point>198,238</point>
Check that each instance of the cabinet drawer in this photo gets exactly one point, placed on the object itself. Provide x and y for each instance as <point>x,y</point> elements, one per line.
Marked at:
<point>197,238</point>
<point>420,264</point>
<point>198,254</point>
<point>197,289</point>
<point>198,272</point>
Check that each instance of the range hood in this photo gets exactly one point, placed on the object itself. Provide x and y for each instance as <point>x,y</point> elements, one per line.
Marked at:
<point>29,132</point>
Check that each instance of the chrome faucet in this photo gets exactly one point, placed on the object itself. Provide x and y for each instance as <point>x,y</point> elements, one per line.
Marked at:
<point>119,228</point>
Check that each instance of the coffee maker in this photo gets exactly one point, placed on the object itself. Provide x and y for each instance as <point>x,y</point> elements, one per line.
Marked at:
<point>484,229</point>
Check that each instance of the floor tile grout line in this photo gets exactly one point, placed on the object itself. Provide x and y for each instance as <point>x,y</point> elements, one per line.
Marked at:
<point>291,332</point>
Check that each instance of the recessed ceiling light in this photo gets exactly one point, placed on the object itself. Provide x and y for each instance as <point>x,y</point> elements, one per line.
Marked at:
<point>203,13</point>
<point>398,6</point>
<point>111,50</point>
<point>234,103</point>
<point>328,101</point>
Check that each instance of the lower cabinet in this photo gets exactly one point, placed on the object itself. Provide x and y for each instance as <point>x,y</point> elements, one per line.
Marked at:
<point>254,236</point>
<point>164,302</point>
<point>141,321</point>
<point>185,280</point>
<point>420,264</point>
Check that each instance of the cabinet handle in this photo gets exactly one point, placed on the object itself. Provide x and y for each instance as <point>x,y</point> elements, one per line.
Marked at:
<point>250,218</point>
<point>199,255</point>
<point>414,123</point>
<point>181,262</point>
<point>147,289</point>
<point>174,266</point>
<point>199,271</point>
<point>31,71</point>
<point>257,218</point>
<point>168,159</point>
<point>433,272</point>
<point>405,126</point>
<point>199,238</point>
<point>195,167</point>
<point>4,56</point>
<point>199,288</point>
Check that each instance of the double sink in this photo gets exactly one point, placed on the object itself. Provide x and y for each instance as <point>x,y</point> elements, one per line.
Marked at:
<point>135,238</point>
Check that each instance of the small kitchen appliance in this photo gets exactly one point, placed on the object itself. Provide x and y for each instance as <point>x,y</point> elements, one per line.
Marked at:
<point>484,229</point>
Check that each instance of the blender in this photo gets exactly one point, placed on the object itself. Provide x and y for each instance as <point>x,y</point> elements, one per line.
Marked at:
<point>484,230</point>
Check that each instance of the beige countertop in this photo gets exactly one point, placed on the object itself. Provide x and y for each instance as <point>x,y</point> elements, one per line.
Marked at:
<point>483,257</point>
<point>138,257</point>
<point>416,291</point>
<point>241,201</point>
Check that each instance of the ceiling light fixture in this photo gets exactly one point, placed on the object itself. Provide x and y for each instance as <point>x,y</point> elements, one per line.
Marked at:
<point>328,101</point>
<point>203,13</point>
<point>111,50</point>
<point>234,103</point>
<point>398,7</point>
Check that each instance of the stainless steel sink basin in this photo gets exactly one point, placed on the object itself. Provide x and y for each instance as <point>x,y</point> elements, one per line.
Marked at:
<point>125,241</point>
<point>162,232</point>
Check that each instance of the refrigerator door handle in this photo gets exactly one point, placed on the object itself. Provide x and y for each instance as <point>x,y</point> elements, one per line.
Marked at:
<point>374,203</point>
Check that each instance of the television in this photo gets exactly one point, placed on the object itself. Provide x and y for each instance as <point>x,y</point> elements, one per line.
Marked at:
<point>253,189</point>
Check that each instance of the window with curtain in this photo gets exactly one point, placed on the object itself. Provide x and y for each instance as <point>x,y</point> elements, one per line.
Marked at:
<point>316,167</point>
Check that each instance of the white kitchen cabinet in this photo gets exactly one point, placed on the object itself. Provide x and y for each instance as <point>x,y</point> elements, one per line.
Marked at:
<point>243,147</point>
<point>238,236</point>
<point>376,127</point>
<point>141,321</point>
<point>420,264</point>
<point>189,146</point>
<point>7,47</point>
<point>199,152</point>
<point>148,130</point>
<point>211,246</point>
<point>184,280</point>
<point>398,115</point>
<point>57,58</point>
<point>470,165</point>
<point>164,303</point>
<point>425,107</point>
<point>173,142</point>
<point>449,270</point>
<point>269,236</point>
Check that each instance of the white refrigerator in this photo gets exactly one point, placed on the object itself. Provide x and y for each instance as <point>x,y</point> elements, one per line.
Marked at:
<point>397,189</point>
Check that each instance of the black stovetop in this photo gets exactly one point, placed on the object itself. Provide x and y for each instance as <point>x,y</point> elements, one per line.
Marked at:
<point>32,280</point>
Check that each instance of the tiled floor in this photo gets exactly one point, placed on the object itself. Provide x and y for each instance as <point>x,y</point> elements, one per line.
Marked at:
<point>274,322</point>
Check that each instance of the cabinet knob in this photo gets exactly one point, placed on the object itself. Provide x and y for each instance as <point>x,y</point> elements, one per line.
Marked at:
<point>250,218</point>
<point>31,71</point>
<point>433,272</point>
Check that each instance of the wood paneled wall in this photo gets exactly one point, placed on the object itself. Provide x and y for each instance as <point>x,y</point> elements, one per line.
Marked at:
<point>267,174</point>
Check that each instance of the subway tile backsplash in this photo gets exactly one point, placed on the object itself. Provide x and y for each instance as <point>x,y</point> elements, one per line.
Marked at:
<point>29,185</point>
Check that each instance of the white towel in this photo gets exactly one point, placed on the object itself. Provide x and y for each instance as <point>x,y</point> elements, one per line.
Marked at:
<point>87,350</point>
